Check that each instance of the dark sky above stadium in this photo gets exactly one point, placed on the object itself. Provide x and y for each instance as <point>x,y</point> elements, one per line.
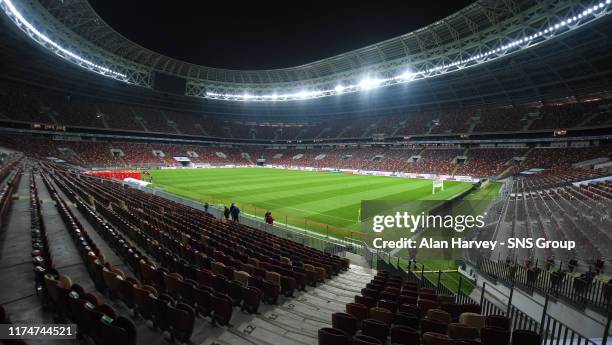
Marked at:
<point>266,34</point>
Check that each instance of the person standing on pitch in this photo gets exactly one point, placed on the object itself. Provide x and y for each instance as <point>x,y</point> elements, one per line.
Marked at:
<point>206,207</point>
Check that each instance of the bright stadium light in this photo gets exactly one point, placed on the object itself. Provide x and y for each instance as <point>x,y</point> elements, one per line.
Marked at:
<point>32,31</point>
<point>407,75</point>
<point>369,83</point>
<point>339,88</point>
<point>301,95</point>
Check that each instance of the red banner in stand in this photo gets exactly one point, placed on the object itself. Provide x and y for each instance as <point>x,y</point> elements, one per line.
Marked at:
<point>116,174</point>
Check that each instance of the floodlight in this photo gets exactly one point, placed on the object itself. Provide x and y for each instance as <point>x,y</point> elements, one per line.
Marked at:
<point>407,75</point>
<point>368,83</point>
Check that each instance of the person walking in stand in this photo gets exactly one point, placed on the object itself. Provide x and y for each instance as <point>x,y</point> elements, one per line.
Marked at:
<point>235,212</point>
<point>268,218</point>
<point>232,207</point>
<point>226,212</point>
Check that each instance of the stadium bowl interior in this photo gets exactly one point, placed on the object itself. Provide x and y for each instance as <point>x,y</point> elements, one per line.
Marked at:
<point>117,164</point>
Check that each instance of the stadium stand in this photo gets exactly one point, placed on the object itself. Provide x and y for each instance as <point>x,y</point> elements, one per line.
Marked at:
<point>25,103</point>
<point>501,119</point>
<point>436,161</point>
<point>556,163</point>
<point>488,161</point>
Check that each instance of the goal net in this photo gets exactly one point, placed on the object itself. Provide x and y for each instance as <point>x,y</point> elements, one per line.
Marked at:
<point>439,184</point>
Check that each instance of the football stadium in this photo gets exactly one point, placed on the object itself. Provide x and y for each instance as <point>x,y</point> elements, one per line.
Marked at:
<point>331,173</point>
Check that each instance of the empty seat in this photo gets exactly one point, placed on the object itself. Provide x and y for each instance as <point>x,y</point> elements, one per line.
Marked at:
<point>235,292</point>
<point>381,314</point>
<point>472,319</point>
<point>404,299</point>
<point>171,284</point>
<point>376,329</point>
<point>526,337</point>
<point>359,311</point>
<point>311,274</point>
<point>221,308</point>
<point>425,305</point>
<point>301,280</point>
<point>332,336</point>
<point>204,277</point>
<point>364,340</point>
<point>111,281</point>
<point>125,292</point>
<point>429,296</point>
<point>345,322</point>
<point>433,326</point>
<point>181,318</point>
<point>202,296</point>
<point>151,276</point>
<point>228,272</point>
<point>370,293</point>
<point>321,274</point>
<point>271,291</point>
<point>406,319</point>
<point>273,277</point>
<point>433,338</point>
<point>439,315</point>
<point>410,309</point>
<point>498,321</point>
<point>494,336</point>
<point>251,299</point>
<point>217,267</point>
<point>445,299</point>
<point>187,291</point>
<point>389,296</point>
<point>367,301</point>
<point>288,285</point>
<point>144,304</point>
<point>242,277</point>
<point>404,335</point>
<point>453,309</point>
<point>219,284</point>
<point>461,331</point>
<point>387,304</point>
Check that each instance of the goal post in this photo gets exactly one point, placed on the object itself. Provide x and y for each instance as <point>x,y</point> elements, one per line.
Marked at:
<point>437,184</point>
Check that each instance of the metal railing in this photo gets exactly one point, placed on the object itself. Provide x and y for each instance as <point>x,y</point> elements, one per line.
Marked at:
<point>575,290</point>
<point>553,331</point>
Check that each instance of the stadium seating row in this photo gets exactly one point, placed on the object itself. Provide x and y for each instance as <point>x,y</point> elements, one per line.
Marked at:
<point>196,272</point>
<point>390,310</point>
<point>480,162</point>
<point>24,103</point>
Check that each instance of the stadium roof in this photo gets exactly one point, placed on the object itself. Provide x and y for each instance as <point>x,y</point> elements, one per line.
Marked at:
<point>79,16</point>
<point>481,33</point>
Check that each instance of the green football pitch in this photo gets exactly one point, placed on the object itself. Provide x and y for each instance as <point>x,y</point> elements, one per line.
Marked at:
<point>325,202</point>
<point>320,201</point>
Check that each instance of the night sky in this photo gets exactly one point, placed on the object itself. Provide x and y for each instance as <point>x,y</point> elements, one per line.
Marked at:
<point>266,34</point>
